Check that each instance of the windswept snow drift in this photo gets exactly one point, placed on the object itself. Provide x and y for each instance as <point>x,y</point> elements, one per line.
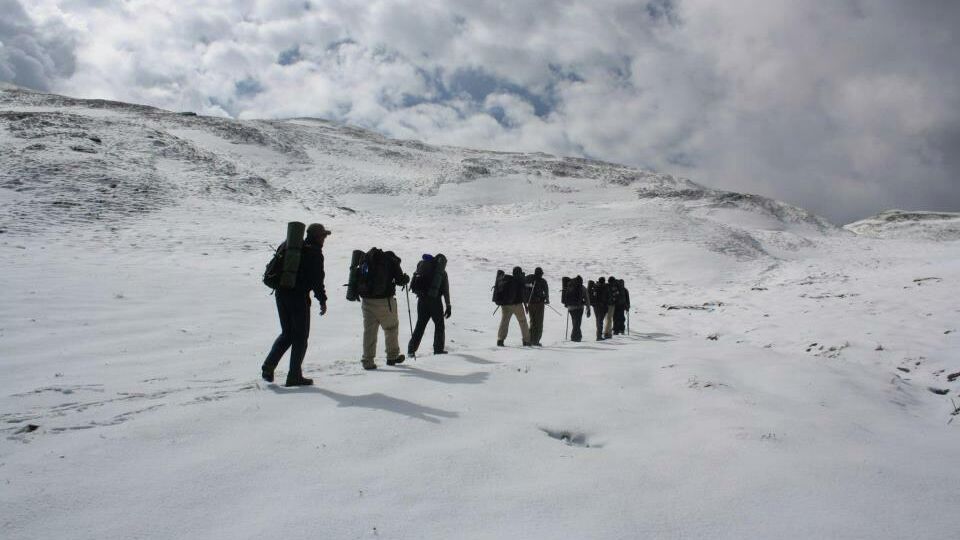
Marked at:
<point>943,226</point>
<point>778,382</point>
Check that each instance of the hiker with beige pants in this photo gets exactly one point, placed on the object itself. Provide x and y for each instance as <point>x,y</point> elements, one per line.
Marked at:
<point>508,294</point>
<point>374,277</point>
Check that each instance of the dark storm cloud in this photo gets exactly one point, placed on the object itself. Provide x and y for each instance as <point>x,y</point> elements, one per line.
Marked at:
<point>846,107</point>
<point>32,56</point>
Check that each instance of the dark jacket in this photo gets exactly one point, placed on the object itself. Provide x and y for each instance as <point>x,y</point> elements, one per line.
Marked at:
<point>536,291</point>
<point>310,274</point>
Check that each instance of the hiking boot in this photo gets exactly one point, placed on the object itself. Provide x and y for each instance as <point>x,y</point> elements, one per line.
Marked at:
<point>608,336</point>
<point>368,365</point>
<point>526,343</point>
<point>439,352</point>
<point>537,344</point>
<point>500,343</point>
<point>395,361</point>
<point>299,381</point>
<point>267,374</point>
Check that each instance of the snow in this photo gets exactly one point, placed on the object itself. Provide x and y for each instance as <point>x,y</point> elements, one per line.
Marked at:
<point>133,337</point>
<point>908,225</point>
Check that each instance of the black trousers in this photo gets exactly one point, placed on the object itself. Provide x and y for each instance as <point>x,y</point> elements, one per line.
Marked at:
<point>600,312</point>
<point>619,319</point>
<point>428,309</point>
<point>576,316</point>
<point>294,311</point>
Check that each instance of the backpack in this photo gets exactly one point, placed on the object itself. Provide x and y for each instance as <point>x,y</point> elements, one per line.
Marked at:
<point>503,289</point>
<point>565,291</point>
<point>423,277</point>
<point>593,292</point>
<point>271,274</point>
<point>373,275</point>
<point>613,293</point>
<point>538,292</point>
<point>570,296</point>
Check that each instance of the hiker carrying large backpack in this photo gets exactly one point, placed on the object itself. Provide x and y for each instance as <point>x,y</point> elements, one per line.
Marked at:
<point>508,293</point>
<point>576,299</point>
<point>374,277</point>
<point>621,306</point>
<point>432,288</point>
<point>613,295</point>
<point>295,269</point>
<point>538,296</point>
<point>599,296</point>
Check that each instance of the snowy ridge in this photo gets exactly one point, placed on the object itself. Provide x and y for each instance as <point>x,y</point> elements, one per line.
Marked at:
<point>782,378</point>
<point>941,226</point>
<point>92,160</point>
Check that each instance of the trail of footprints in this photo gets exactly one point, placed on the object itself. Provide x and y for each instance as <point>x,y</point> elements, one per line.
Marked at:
<point>93,405</point>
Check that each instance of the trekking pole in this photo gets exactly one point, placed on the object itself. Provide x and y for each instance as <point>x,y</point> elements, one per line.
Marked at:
<point>566,329</point>
<point>409,317</point>
<point>554,310</point>
<point>628,322</point>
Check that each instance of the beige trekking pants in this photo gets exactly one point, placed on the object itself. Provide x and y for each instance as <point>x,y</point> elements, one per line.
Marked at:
<point>513,310</point>
<point>608,321</point>
<point>377,313</point>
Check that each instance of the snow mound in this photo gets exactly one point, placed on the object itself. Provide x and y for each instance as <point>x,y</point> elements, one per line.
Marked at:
<point>939,226</point>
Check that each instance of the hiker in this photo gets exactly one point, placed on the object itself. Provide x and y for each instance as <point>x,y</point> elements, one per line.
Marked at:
<point>613,296</point>
<point>575,299</point>
<point>538,296</point>
<point>293,308</point>
<point>508,293</point>
<point>432,288</point>
<point>621,307</point>
<point>597,293</point>
<point>375,276</point>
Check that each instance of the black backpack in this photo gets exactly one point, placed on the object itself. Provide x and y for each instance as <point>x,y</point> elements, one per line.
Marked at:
<point>423,277</point>
<point>373,274</point>
<point>614,293</point>
<point>538,291</point>
<point>503,289</point>
<point>593,292</point>
<point>274,269</point>
<point>571,292</point>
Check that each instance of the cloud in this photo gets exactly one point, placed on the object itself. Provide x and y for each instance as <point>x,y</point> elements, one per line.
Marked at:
<point>845,107</point>
<point>31,55</point>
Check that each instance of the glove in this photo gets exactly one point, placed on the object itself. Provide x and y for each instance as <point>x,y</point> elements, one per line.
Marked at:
<point>404,279</point>
<point>588,313</point>
<point>446,314</point>
<point>323,309</point>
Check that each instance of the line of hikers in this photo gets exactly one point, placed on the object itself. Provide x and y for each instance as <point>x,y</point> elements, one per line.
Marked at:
<point>296,270</point>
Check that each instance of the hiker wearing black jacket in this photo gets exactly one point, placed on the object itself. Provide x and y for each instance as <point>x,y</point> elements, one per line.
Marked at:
<point>613,296</point>
<point>430,306</point>
<point>379,308</point>
<point>293,308</point>
<point>575,299</point>
<point>538,295</point>
<point>513,306</point>
<point>598,299</point>
<point>621,306</point>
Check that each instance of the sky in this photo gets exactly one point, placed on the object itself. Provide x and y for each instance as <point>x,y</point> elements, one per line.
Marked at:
<point>844,107</point>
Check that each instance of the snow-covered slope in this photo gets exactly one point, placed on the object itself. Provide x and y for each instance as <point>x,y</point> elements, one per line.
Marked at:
<point>777,382</point>
<point>907,225</point>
